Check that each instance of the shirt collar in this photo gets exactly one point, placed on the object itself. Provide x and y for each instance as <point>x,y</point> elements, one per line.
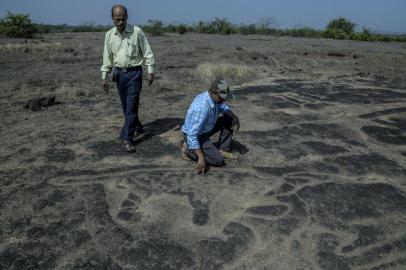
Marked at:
<point>209,100</point>
<point>128,29</point>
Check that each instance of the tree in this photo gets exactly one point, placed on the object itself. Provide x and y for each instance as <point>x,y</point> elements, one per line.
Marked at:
<point>201,27</point>
<point>341,24</point>
<point>17,25</point>
<point>155,27</point>
<point>266,24</point>
<point>221,26</point>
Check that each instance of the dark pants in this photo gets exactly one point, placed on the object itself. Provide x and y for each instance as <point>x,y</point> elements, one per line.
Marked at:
<point>211,152</point>
<point>129,86</point>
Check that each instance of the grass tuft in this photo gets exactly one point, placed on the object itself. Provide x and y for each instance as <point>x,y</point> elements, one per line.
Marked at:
<point>236,74</point>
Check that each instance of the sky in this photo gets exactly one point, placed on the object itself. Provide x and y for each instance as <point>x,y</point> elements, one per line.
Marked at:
<point>377,15</point>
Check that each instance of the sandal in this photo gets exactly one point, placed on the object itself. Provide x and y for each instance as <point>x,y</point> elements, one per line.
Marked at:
<point>129,147</point>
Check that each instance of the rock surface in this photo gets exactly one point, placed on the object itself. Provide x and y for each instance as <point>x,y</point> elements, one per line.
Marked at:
<point>320,184</point>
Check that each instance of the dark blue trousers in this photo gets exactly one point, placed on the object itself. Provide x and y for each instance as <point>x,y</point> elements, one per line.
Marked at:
<point>211,152</point>
<point>129,86</point>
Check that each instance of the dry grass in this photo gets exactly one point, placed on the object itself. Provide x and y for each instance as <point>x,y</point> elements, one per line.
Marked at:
<point>53,51</point>
<point>72,92</point>
<point>236,74</point>
<point>64,92</point>
<point>30,47</point>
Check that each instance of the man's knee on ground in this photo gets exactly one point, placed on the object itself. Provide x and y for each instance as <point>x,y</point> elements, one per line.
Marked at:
<point>217,162</point>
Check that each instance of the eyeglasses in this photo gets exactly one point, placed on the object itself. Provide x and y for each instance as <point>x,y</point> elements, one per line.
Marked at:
<point>119,19</point>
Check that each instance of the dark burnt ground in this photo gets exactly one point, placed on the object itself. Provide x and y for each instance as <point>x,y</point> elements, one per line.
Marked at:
<point>320,184</point>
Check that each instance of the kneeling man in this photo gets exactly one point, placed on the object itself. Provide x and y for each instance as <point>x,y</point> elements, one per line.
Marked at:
<point>202,121</point>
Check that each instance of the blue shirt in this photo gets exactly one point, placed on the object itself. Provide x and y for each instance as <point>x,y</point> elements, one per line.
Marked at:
<point>201,118</point>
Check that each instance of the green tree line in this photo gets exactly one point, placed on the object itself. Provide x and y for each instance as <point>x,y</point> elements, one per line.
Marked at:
<point>20,25</point>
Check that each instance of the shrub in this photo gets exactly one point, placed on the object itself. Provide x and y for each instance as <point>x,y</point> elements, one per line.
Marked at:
<point>335,34</point>
<point>228,30</point>
<point>341,24</point>
<point>201,27</point>
<point>249,29</point>
<point>357,36</point>
<point>181,29</point>
<point>89,27</point>
<point>217,26</point>
<point>303,32</point>
<point>385,38</point>
<point>154,27</point>
<point>55,28</point>
<point>365,35</point>
<point>17,25</point>
<point>43,28</point>
<point>400,39</point>
<point>170,28</point>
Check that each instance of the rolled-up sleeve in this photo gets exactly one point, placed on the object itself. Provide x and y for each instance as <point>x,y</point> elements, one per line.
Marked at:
<point>223,108</point>
<point>148,56</point>
<point>107,58</point>
<point>195,119</point>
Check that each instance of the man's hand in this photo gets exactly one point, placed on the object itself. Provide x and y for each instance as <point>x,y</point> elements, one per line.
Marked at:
<point>201,162</point>
<point>105,85</point>
<point>150,78</point>
<point>235,126</point>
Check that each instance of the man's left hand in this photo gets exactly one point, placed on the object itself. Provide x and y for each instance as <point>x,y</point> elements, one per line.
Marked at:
<point>105,85</point>
<point>235,126</point>
<point>150,78</point>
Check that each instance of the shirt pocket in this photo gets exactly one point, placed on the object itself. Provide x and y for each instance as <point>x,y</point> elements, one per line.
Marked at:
<point>132,49</point>
<point>113,47</point>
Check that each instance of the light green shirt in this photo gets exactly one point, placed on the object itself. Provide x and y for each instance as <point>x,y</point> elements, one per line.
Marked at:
<point>129,49</point>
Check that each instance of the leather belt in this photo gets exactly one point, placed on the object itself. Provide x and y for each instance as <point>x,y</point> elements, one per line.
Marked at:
<point>129,68</point>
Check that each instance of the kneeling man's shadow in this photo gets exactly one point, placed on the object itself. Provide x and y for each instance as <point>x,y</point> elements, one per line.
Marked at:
<point>162,125</point>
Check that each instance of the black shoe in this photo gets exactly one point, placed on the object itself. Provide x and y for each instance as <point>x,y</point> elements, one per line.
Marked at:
<point>129,146</point>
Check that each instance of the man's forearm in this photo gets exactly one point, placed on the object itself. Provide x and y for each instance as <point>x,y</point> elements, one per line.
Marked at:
<point>235,124</point>
<point>229,113</point>
<point>150,69</point>
<point>199,153</point>
<point>104,75</point>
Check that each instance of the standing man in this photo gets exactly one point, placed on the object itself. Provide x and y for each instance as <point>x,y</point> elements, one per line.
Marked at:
<point>126,48</point>
<point>202,121</point>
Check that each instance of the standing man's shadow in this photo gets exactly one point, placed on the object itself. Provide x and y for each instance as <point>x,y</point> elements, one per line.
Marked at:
<point>160,126</point>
